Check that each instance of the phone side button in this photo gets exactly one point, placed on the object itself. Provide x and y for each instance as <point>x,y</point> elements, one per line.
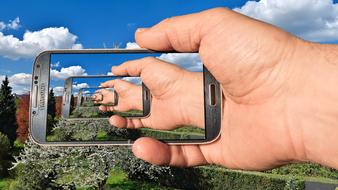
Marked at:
<point>66,98</point>
<point>35,97</point>
<point>212,95</point>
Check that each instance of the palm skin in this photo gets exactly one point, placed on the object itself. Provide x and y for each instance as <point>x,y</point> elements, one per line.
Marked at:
<point>166,87</point>
<point>270,117</point>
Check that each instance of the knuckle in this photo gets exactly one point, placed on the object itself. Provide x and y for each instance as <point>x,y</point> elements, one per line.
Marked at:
<point>218,11</point>
<point>168,20</point>
<point>149,59</point>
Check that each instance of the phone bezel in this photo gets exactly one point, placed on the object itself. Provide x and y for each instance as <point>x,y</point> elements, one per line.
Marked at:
<point>40,91</point>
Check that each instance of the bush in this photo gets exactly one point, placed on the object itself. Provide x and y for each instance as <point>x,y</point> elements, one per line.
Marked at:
<point>88,130</point>
<point>4,155</point>
<point>40,167</point>
<point>18,144</point>
<point>308,170</point>
<point>221,178</point>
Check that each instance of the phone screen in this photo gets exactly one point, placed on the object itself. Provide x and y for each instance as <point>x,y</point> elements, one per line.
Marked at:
<point>84,95</point>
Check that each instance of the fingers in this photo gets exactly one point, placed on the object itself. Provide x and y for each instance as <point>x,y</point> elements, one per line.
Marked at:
<point>141,66</point>
<point>181,33</point>
<point>97,97</point>
<point>106,108</point>
<point>135,67</point>
<point>156,152</point>
<point>118,121</point>
<point>157,75</point>
<point>121,122</point>
<point>129,95</point>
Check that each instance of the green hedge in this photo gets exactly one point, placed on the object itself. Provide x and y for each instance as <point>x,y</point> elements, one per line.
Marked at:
<point>212,177</point>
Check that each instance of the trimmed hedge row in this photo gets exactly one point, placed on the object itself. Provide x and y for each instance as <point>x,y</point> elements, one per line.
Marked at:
<point>212,177</point>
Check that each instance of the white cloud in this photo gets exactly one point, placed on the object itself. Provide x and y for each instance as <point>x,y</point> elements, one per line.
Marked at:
<point>2,25</point>
<point>87,92</point>
<point>58,91</point>
<point>20,82</point>
<point>67,72</point>
<point>189,61</point>
<point>55,65</point>
<point>110,73</point>
<point>21,78</point>
<point>12,24</point>
<point>314,20</point>
<point>80,85</point>
<point>132,45</point>
<point>35,42</point>
<point>134,80</point>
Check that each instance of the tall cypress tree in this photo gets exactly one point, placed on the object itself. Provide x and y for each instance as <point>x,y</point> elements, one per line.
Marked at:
<point>51,111</point>
<point>8,124</point>
<point>51,104</point>
<point>72,103</point>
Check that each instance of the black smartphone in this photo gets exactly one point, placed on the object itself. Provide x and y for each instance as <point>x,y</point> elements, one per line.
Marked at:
<point>67,105</point>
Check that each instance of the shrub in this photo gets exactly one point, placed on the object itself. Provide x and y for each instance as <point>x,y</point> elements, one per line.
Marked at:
<point>308,169</point>
<point>88,130</point>
<point>40,167</point>
<point>4,155</point>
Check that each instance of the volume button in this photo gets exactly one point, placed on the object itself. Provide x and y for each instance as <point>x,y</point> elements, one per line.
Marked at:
<point>35,98</point>
<point>67,98</point>
<point>212,95</point>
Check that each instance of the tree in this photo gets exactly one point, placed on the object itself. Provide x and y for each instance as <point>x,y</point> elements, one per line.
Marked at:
<point>22,117</point>
<point>51,111</point>
<point>58,106</point>
<point>5,158</point>
<point>8,124</point>
<point>51,104</point>
<point>73,102</point>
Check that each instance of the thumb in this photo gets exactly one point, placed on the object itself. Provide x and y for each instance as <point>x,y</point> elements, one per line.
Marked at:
<point>129,94</point>
<point>159,153</point>
<point>180,33</point>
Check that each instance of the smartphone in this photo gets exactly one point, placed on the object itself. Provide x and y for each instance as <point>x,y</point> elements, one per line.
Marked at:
<point>83,95</point>
<point>64,81</point>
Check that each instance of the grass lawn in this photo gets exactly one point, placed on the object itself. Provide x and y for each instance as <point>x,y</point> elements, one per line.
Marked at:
<point>4,183</point>
<point>118,180</point>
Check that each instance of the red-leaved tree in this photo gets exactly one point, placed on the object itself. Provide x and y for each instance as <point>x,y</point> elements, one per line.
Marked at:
<point>58,106</point>
<point>22,117</point>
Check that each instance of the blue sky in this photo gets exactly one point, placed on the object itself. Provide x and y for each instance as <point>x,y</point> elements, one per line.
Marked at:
<point>99,23</point>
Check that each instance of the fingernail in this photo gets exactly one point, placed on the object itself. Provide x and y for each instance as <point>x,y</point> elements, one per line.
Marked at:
<point>111,121</point>
<point>137,150</point>
<point>141,29</point>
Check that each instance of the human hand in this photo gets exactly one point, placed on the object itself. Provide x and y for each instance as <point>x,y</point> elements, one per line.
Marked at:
<point>168,85</point>
<point>274,111</point>
<point>124,97</point>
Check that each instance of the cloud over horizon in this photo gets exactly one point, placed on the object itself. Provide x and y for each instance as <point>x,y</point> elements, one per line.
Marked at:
<point>67,72</point>
<point>20,82</point>
<point>188,61</point>
<point>314,20</point>
<point>34,42</point>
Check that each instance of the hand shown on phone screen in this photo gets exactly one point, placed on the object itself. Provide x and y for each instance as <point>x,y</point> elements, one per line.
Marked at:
<point>170,92</point>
